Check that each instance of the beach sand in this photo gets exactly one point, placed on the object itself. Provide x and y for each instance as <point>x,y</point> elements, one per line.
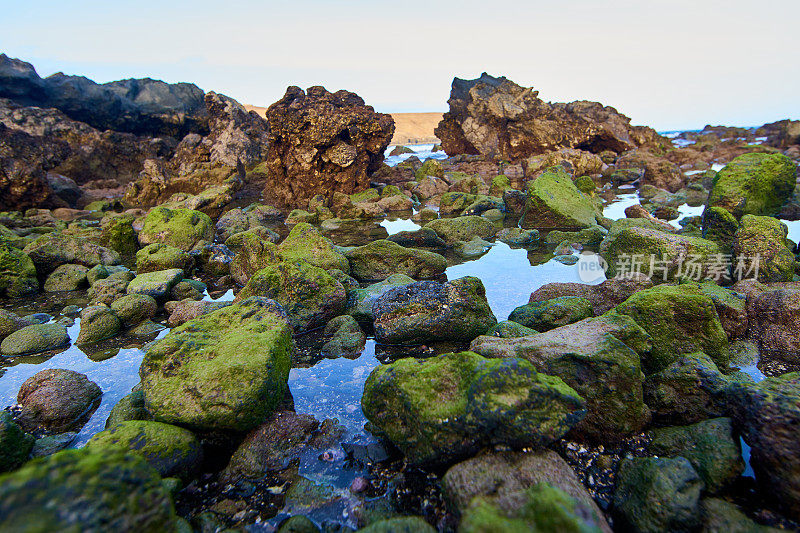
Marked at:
<point>410,128</point>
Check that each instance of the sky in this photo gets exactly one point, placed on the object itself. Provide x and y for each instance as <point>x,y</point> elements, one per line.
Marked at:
<point>670,65</point>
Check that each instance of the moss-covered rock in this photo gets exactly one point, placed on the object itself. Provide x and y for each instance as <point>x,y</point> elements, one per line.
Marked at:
<point>754,184</point>
<point>130,407</point>
<point>554,202</point>
<point>172,451</point>
<point>15,444</point>
<point>658,494</point>
<point>500,184</point>
<point>253,254</point>
<point>181,228</point>
<point>9,323</point>
<point>453,230</point>
<point>428,311</point>
<point>681,319</point>
<point>399,524</point>
<point>719,225</point>
<point>544,508</point>
<point>548,314</point>
<point>722,516</point>
<point>346,338</point>
<point>98,323</point>
<point>309,295</point>
<point>155,284</point>
<point>134,309</point>
<point>711,446</point>
<point>188,289</point>
<point>306,243</point>
<point>431,167</point>
<point>66,278</point>
<point>76,490</point>
<point>226,370</point>
<point>160,256</point>
<point>359,301</point>
<point>118,234</point>
<point>442,409</point>
<point>58,248</point>
<point>761,248</point>
<point>238,220</point>
<point>518,236</point>
<point>35,338</point>
<point>599,358</point>
<point>382,258</point>
<point>508,329</point>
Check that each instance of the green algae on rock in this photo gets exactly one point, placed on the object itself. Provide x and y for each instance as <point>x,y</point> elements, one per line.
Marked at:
<point>442,409</point>
<point>453,230</point>
<point>160,256</point>
<point>548,314</point>
<point>554,202</point>
<point>58,248</point>
<point>226,370</point>
<point>15,444</point>
<point>381,258</point>
<point>17,272</point>
<point>181,228</point>
<point>155,284</point>
<point>76,490</point>
<point>306,243</point>
<point>35,338</point>
<point>66,278</point>
<point>98,323</point>
<point>761,242</point>
<point>130,407</point>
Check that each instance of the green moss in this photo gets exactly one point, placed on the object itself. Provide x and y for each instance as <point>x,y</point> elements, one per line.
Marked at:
<point>549,314</point>
<point>306,243</point>
<point>226,370</point>
<point>455,202</point>
<point>585,184</point>
<point>118,234</point>
<point>499,185</point>
<point>15,444</point>
<point>181,228</point>
<point>762,240</point>
<point>465,228</point>
<point>160,256</point>
<point>17,272</point>
<point>399,524</point>
<point>719,225</point>
<point>298,216</point>
<point>431,167</point>
<point>365,196</point>
<point>130,407</point>
<point>381,258</point>
<point>554,202</point>
<point>755,184</point>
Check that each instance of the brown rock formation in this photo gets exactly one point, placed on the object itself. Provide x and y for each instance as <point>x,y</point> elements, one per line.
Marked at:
<point>496,117</point>
<point>321,143</point>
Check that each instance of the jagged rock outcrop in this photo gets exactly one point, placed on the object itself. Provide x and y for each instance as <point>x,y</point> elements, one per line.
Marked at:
<point>496,117</point>
<point>139,106</point>
<point>23,160</point>
<point>322,142</point>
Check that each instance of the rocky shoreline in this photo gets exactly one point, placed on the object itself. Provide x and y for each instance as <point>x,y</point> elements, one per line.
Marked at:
<point>211,320</point>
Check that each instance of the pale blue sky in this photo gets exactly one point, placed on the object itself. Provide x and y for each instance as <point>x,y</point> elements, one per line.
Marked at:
<point>671,65</point>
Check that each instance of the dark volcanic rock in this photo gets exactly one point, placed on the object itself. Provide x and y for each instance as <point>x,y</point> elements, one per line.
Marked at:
<point>322,142</point>
<point>496,117</point>
<point>139,106</point>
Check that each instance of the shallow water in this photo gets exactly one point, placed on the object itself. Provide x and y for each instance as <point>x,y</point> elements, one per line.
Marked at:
<point>422,151</point>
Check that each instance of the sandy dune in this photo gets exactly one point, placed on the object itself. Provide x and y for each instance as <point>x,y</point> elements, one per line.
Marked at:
<point>410,128</point>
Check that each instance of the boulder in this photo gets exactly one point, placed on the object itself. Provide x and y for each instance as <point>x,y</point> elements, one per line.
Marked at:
<point>155,284</point>
<point>654,170</point>
<point>76,490</point>
<point>181,228</point>
<point>658,494</point>
<point>226,370</point>
<point>428,311</point>
<point>496,117</point>
<point>548,314</point>
<point>754,184</point>
<point>306,243</point>
<point>160,256</point>
<point>134,309</point>
<point>172,451</point>
<point>119,235</point>
<point>130,407</point>
<point>439,410</point>
<point>554,202</point>
<point>57,400</point>
<point>775,322</point>
<point>360,300</point>
<point>52,250</point>
<point>17,272</point>
<point>599,358</point>
<point>345,338</point>
<point>66,278</point>
<point>603,297</point>
<point>380,259</point>
<point>253,253</point>
<point>15,444</point>
<point>680,319</point>
<point>98,323</point>
<point>322,141</point>
<point>35,338</point>
<point>9,323</point>
<point>762,250</point>
<point>308,294</point>
<point>453,230</point>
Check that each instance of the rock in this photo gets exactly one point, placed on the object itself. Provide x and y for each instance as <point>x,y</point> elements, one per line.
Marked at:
<point>428,311</point>
<point>554,202</point>
<point>711,446</point>
<point>548,314</point>
<point>251,217</point>
<point>188,288</point>
<point>670,255</point>
<point>55,249</point>
<point>603,297</point>
<point>382,258</point>
<point>442,409</point>
<point>399,524</point>
<point>545,508</point>
<point>657,494</point>
<point>309,295</point>
<point>657,171</point>
<point>360,300</point>
<point>517,236</point>
<point>421,238</point>
<point>496,117</point>
<point>775,318</point>
<point>214,259</point>
<point>15,444</point>
<point>98,323</point>
<point>253,254</point>
<point>429,186</point>
<point>159,256</point>
<point>688,391</point>
<point>130,407</point>
<point>508,329</point>
<point>119,235</point>
<point>599,358</point>
<point>455,202</point>
<point>66,278</point>
<point>465,228</point>
<point>57,400</point>
<point>298,524</point>
<point>134,309</point>
<point>503,478</point>
<point>754,184</point>
<point>181,228</point>
<point>35,338</point>
<point>680,319</point>
<point>720,515</point>
<point>9,323</point>
<point>107,290</point>
<point>306,243</point>
<point>768,416</point>
<point>322,141</point>
<point>51,444</point>
<point>226,370</point>
<point>100,272</point>
<point>186,310</point>
<point>155,284</point>
<point>172,451</point>
<point>760,244</point>
<point>346,338</point>
<point>472,249</point>
<point>720,226</point>
<point>275,444</point>
<point>78,490</point>
<point>730,306</point>
<point>17,272</point>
